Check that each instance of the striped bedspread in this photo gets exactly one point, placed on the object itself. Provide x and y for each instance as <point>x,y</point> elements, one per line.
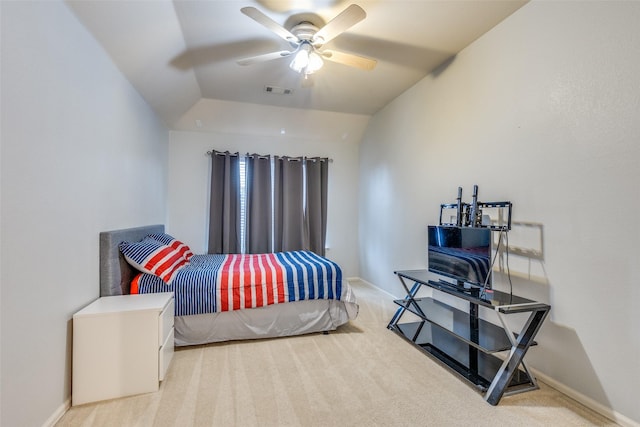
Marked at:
<point>216,283</point>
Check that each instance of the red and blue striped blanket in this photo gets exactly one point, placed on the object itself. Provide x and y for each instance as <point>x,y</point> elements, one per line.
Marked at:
<point>216,283</point>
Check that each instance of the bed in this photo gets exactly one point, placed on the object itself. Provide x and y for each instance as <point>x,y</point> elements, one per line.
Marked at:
<point>325,303</point>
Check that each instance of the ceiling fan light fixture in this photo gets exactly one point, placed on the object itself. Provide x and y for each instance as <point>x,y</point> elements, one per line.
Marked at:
<point>315,62</point>
<point>300,60</point>
<point>306,60</point>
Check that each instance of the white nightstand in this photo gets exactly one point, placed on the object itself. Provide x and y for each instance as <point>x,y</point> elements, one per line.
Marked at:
<point>122,345</point>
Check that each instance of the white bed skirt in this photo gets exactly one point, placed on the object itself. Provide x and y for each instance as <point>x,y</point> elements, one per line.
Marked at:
<point>278,320</point>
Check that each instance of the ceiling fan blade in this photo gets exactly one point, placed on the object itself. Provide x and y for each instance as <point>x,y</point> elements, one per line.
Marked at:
<point>350,59</point>
<point>263,58</point>
<point>342,22</point>
<point>269,23</point>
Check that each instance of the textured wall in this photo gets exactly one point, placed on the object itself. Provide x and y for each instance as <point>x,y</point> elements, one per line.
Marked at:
<point>81,153</point>
<point>543,111</point>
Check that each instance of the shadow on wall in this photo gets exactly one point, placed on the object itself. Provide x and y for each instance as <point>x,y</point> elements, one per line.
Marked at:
<point>559,354</point>
<point>442,67</point>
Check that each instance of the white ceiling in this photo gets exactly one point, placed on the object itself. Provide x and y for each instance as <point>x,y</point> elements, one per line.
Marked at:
<point>183,52</point>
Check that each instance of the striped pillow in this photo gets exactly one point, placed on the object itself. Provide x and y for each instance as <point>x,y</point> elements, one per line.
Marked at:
<point>153,257</point>
<point>174,243</point>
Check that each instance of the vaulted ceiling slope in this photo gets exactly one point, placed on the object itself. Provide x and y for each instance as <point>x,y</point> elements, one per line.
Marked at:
<point>177,53</point>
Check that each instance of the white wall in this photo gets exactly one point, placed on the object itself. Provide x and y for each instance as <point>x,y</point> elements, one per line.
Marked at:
<point>543,111</point>
<point>81,153</point>
<point>257,129</point>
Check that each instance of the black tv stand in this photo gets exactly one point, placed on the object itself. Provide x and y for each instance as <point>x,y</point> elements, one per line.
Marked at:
<point>467,344</point>
<point>457,287</point>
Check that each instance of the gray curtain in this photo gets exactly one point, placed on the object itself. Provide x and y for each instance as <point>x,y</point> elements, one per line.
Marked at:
<point>289,223</point>
<point>285,208</point>
<point>258,205</point>
<point>317,171</point>
<point>224,208</point>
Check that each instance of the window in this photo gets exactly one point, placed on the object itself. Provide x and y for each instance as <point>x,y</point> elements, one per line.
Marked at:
<point>263,204</point>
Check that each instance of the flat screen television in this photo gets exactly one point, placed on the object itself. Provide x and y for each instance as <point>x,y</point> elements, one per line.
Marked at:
<point>461,253</point>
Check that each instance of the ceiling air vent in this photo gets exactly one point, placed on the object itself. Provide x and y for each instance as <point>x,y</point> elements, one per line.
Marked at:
<point>278,90</point>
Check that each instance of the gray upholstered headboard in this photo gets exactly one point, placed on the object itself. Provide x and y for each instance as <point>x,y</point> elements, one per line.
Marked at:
<point>115,273</point>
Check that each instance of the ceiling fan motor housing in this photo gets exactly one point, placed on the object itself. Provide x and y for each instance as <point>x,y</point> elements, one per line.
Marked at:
<point>305,31</point>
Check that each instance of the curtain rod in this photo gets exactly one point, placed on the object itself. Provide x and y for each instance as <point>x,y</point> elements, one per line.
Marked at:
<point>267,156</point>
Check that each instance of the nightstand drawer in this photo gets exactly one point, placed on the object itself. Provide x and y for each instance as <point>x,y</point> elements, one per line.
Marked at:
<point>166,323</point>
<point>165,356</point>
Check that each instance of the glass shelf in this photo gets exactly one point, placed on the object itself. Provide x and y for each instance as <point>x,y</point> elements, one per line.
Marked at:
<point>478,333</point>
<point>490,299</point>
<point>454,354</point>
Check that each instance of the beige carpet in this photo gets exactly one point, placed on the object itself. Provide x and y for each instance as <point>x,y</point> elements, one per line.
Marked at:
<point>362,374</point>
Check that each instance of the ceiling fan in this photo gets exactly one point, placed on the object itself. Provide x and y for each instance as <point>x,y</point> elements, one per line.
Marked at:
<point>307,40</point>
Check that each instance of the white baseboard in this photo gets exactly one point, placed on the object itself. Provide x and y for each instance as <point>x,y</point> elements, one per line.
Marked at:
<point>586,400</point>
<point>373,286</point>
<point>601,409</point>
<point>59,413</point>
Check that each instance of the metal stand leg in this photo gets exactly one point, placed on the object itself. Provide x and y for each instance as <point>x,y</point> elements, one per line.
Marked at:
<point>515,359</point>
<point>514,344</point>
<point>410,299</point>
<point>474,336</point>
